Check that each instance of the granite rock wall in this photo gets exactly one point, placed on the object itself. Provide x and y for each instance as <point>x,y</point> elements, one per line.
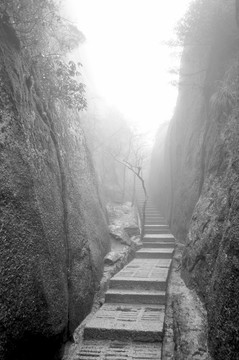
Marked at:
<point>200,177</point>
<point>53,231</point>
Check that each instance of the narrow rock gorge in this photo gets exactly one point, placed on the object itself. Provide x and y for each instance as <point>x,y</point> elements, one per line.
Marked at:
<point>53,228</point>
<point>197,183</point>
<point>73,151</point>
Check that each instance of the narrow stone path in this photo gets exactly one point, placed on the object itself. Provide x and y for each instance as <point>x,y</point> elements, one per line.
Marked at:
<point>130,324</point>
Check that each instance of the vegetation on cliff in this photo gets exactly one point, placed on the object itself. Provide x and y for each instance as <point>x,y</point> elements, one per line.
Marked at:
<point>44,38</point>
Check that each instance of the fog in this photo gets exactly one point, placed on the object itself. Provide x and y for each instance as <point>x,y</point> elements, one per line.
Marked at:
<point>125,58</point>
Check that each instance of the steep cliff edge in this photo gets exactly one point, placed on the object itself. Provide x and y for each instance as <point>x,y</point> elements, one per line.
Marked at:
<point>201,172</point>
<point>52,226</point>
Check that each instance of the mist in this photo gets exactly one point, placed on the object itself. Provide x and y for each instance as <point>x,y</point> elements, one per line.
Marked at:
<point>125,57</point>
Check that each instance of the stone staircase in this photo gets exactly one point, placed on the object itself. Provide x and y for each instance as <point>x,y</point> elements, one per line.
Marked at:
<point>130,324</point>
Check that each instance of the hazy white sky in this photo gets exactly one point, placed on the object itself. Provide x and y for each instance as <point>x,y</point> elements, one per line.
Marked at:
<point>126,58</point>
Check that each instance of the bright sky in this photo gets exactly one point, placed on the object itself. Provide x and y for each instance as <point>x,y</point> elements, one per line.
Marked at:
<point>125,56</point>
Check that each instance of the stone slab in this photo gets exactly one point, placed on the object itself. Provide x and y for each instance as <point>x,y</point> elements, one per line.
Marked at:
<point>157,231</point>
<point>155,221</point>
<point>155,253</point>
<point>114,350</point>
<point>127,321</point>
<point>159,236</point>
<point>135,296</point>
<point>151,208</point>
<point>154,239</point>
<point>142,268</point>
<point>158,244</point>
<point>154,215</point>
<point>147,263</point>
<point>146,284</point>
<point>151,237</point>
<point>146,278</point>
<point>153,211</point>
<point>155,227</point>
<point>150,212</point>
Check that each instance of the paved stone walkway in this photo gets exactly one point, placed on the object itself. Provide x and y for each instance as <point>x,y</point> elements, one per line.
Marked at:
<point>130,325</point>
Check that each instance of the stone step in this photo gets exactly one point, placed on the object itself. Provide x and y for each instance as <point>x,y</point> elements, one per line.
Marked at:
<point>155,222</point>
<point>150,208</point>
<point>144,264</point>
<point>156,227</point>
<point>134,307</point>
<point>135,296</point>
<point>159,244</point>
<point>154,253</point>
<point>146,284</point>
<point>158,241</point>
<point>153,216</point>
<point>116,349</point>
<point>153,211</point>
<point>148,278</point>
<point>137,265</point>
<point>148,205</point>
<point>158,237</point>
<point>157,231</point>
<point>127,322</point>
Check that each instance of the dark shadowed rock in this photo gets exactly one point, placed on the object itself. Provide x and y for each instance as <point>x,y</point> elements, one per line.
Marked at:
<point>132,230</point>
<point>112,257</point>
<point>52,227</point>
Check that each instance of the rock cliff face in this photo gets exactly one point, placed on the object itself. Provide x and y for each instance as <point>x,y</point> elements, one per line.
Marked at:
<point>201,179</point>
<point>52,226</point>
